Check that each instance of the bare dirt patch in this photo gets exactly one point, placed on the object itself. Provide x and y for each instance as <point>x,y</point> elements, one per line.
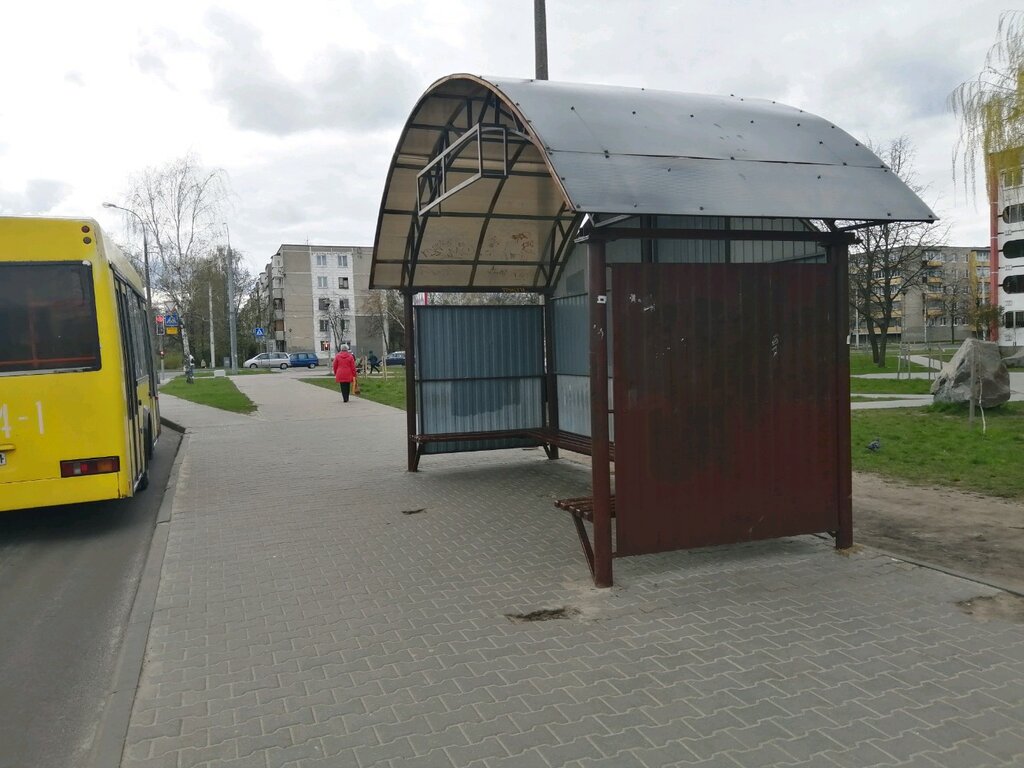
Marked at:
<point>1002,606</point>
<point>980,536</point>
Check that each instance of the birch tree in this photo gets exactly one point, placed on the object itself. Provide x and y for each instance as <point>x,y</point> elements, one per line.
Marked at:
<point>990,109</point>
<point>181,203</point>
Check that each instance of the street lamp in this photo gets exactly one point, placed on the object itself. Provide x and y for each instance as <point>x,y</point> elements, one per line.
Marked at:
<point>145,258</point>
<point>231,303</point>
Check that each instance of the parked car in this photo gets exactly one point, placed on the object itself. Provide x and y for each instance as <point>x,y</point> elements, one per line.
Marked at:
<point>300,359</point>
<point>395,358</point>
<point>268,360</point>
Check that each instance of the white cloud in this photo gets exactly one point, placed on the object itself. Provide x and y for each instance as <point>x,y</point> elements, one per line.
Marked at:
<point>302,103</point>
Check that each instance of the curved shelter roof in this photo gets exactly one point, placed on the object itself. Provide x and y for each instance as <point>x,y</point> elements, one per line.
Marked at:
<point>492,176</point>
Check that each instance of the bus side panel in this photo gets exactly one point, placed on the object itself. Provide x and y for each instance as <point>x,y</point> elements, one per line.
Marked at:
<point>47,418</point>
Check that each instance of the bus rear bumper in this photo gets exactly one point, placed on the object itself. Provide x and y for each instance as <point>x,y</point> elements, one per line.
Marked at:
<point>61,490</point>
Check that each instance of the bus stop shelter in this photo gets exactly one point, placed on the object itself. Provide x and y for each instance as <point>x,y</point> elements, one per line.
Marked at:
<point>691,255</point>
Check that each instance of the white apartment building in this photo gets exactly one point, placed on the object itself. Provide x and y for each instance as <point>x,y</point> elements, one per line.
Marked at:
<point>314,291</point>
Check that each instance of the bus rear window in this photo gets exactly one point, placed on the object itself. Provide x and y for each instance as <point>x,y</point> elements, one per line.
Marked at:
<point>47,318</point>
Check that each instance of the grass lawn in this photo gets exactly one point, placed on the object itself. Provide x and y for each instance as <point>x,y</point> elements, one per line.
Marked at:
<point>931,445</point>
<point>390,392</point>
<point>217,392</point>
<point>860,362</point>
<point>934,445</point>
<point>890,386</point>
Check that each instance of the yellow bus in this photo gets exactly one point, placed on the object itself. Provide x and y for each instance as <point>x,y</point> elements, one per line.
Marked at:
<point>78,392</point>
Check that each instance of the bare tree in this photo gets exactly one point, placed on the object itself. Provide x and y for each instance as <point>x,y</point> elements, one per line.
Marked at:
<point>180,203</point>
<point>337,321</point>
<point>384,311</point>
<point>889,260</point>
<point>953,297</point>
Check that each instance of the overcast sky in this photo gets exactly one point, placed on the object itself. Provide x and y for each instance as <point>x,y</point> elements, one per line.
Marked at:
<point>301,102</point>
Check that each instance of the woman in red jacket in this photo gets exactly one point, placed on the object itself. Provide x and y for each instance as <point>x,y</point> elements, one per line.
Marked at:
<point>345,370</point>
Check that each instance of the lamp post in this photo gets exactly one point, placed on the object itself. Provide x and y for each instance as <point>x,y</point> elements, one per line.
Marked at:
<point>231,303</point>
<point>149,289</point>
<point>145,257</point>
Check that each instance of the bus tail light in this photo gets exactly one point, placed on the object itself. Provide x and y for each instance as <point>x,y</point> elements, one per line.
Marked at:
<point>79,467</point>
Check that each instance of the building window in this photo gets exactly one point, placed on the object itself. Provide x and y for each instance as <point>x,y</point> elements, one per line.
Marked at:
<point>343,282</point>
<point>1013,177</point>
<point>325,346</point>
<point>324,304</point>
<point>325,326</point>
<point>1014,284</point>
<point>321,282</point>
<point>321,259</point>
<point>1013,214</point>
<point>343,305</point>
<point>342,259</point>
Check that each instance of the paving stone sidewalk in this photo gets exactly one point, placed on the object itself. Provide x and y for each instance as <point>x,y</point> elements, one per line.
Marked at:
<point>305,619</point>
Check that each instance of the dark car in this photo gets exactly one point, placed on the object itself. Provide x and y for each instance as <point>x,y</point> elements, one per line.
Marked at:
<point>395,358</point>
<point>300,359</point>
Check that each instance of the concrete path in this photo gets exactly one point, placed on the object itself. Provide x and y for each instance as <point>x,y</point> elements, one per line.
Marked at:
<point>914,401</point>
<point>320,606</point>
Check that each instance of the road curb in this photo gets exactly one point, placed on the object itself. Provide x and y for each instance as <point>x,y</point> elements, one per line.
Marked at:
<point>108,744</point>
<point>176,427</point>
<point>982,580</point>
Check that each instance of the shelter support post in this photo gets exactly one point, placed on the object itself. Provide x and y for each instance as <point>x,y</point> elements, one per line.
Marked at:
<point>839,253</point>
<point>410,383</point>
<point>600,458</point>
<point>550,380</point>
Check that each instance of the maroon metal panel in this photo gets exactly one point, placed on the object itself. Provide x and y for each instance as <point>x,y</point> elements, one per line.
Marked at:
<point>600,466</point>
<point>725,387</point>
<point>410,384</point>
<point>839,257</point>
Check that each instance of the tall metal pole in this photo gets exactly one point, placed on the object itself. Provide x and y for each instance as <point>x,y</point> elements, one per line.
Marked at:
<point>540,33</point>
<point>839,257</point>
<point>410,382</point>
<point>213,354</point>
<point>600,454</point>
<point>145,262</point>
<point>231,303</point>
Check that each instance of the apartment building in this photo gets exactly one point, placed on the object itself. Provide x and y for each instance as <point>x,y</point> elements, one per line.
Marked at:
<point>955,279</point>
<point>313,293</point>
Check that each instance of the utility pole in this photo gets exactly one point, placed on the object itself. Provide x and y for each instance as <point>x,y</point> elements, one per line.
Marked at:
<point>150,319</point>
<point>540,32</point>
<point>231,303</point>
<point>213,354</point>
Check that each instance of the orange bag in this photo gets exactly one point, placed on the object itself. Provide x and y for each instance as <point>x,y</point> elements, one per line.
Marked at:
<point>355,386</point>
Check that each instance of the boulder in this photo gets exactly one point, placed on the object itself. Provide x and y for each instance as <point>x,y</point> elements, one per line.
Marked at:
<point>953,384</point>
<point>1015,360</point>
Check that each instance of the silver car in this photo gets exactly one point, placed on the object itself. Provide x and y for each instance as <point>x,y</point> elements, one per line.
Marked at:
<point>268,360</point>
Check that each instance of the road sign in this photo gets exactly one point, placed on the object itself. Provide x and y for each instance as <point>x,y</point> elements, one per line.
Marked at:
<point>172,320</point>
<point>159,325</point>
<point>172,330</point>
<point>258,332</point>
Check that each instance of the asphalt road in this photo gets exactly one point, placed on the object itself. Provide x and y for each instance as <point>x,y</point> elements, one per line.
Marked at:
<point>68,576</point>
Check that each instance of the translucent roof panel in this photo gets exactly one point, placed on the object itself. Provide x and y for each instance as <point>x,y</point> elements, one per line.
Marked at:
<point>532,157</point>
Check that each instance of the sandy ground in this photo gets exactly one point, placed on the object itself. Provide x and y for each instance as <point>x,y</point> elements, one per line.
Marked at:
<point>977,535</point>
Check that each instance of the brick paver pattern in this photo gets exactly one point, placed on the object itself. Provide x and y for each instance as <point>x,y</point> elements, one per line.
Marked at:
<point>304,620</point>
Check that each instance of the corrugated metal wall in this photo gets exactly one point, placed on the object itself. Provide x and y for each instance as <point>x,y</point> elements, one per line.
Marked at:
<point>727,409</point>
<point>479,369</point>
